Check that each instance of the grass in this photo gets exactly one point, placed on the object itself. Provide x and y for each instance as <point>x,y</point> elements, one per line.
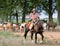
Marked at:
<point>5,33</point>
<point>19,21</point>
<point>8,34</point>
<point>55,20</point>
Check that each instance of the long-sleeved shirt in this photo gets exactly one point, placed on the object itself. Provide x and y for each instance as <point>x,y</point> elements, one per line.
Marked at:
<point>33,16</point>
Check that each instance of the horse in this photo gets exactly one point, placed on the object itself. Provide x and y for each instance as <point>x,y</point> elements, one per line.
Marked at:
<point>22,27</point>
<point>15,27</point>
<point>37,29</point>
<point>9,26</point>
<point>51,25</point>
<point>1,26</point>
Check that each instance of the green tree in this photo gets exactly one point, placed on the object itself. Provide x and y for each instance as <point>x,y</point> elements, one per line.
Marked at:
<point>7,7</point>
<point>49,8</point>
<point>58,9</point>
<point>27,5</point>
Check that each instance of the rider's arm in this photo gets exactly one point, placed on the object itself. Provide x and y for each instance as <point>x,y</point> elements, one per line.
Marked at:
<point>30,16</point>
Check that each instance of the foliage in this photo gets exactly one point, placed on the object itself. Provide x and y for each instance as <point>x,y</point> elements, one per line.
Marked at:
<point>9,7</point>
<point>58,4</point>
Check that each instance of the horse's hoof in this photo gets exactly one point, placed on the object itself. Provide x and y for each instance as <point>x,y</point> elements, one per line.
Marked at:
<point>35,42</point>
<point>41,41</point>
<point>32,41</point>
<point>24,40</point>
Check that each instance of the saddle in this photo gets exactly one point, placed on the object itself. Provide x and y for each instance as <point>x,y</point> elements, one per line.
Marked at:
<point>36,22</point>
<point>33,23</point>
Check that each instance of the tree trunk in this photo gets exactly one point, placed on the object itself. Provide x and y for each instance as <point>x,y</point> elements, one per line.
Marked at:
<point>2,20</point>
<point>17,17</point>
<point>23,17</point>
<point>50,11</point>
<point>50,18</point>
<point>58,17</point>
<point>10,18</point>
<point>6,18</point>
<point>24,11</point>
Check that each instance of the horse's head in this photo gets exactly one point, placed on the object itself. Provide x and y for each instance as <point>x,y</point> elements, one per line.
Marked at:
<point>40,24</point>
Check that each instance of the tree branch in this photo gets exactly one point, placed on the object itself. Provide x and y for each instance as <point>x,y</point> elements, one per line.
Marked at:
<point>53,10</point>
<point>47,10</point>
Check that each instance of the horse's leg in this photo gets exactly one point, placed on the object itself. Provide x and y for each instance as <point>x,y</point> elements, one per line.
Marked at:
<point>32,35</point>
<point>48,28</point>
<point>42,37</point>
<point>53,27</point>
<point>35,37</point>
<point>25,33</point>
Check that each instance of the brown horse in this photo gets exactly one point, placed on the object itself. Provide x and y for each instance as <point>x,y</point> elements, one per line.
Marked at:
<point>51,25</point>
<point>9,26</point>
<point>1,26</point>
<point>15,27</point>
<point>37,29</point>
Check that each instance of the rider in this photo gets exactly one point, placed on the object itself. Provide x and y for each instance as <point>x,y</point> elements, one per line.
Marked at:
<point>34,16</point>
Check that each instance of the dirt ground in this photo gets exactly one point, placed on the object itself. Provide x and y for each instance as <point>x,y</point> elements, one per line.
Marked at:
<point>51,38</point>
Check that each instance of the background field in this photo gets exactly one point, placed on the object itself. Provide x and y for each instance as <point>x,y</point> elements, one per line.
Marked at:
<point>14,21</point>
